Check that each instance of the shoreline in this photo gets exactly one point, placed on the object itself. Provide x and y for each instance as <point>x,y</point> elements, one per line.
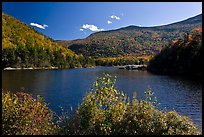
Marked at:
<point>56,68</point>
<point>30,68</point>
<point>40,68</point>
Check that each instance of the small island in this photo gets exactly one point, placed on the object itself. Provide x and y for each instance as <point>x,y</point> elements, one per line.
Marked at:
<point>134,67</point>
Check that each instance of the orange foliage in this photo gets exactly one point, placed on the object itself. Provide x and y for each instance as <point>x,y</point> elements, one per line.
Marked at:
<point>197,29</point>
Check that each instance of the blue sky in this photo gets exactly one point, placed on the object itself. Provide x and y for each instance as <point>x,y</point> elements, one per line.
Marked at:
<point>76,20</point>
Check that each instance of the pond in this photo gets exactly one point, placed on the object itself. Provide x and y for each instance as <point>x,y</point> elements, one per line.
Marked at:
<point>67,87</point>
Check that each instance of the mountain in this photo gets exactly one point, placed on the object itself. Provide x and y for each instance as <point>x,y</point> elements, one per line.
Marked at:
<point>182,57</point>
<point>23,46</point>
<point>132,40</point>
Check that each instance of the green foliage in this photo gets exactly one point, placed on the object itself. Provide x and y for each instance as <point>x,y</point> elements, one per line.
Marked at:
<point>24,115</point>
<point>181,57</point>
<point>120,61</point>
<point>108,111</point>
<point>22,46</point>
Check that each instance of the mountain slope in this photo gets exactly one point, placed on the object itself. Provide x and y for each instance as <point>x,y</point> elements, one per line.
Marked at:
<point>132,40</point>
<point>23,46</point>
<point>182,57</point>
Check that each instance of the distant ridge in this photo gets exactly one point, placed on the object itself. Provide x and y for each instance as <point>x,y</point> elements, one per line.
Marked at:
<point>132,40</point>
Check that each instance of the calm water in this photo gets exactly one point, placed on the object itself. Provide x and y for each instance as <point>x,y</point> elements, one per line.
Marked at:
<point>67,87</point>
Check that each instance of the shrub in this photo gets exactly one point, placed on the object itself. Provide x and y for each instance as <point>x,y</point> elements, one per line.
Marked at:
<point>24,115</point>
<point>108,111</point>
<point>104,111</point>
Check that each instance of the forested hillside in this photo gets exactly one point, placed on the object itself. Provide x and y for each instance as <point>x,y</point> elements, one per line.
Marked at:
<point>132,40</point>
<point>23,46</point>
<point>183,56</point>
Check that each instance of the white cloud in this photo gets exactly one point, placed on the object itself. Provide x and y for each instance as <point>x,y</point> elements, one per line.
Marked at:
<point>91,27</point>
<point>115,17</point>
<point>140,25</point>
<point>109,22</point>
<point>81,29</point>
<point>38,25</point>
<point>44,25</point>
